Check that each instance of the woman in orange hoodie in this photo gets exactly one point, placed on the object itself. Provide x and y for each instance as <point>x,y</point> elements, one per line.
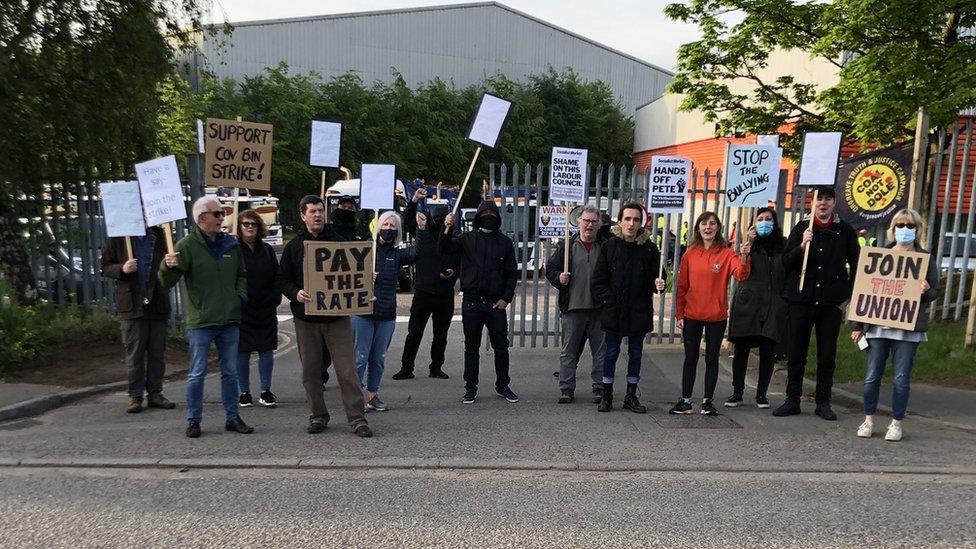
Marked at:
<point>703,304</point>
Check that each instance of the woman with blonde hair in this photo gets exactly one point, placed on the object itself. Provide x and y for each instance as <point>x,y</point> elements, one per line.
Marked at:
<point>907,230</point>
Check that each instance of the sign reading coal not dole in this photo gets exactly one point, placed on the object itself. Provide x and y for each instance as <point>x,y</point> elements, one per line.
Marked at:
<point>339,278</point>
<point>238,154</point>
<point>751,175</point>
<point>567,175</point>
<point>888,287</point>
<point>669,184</point>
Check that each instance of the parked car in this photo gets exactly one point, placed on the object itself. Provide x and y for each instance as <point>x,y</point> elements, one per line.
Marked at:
<point>959,262</point>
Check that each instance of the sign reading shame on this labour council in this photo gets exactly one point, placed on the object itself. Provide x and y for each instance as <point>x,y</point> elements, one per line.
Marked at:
<point>669,184</point>
<point>238,154</point>
<point>161,192</point>
<point>567,175</point>
<point>339,278</point>
<point>122,207</point>
<point>751,175</point>
<point>888,287</point>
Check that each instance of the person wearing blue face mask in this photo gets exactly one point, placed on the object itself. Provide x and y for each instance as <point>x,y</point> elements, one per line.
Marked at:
<point>908,229</point>
<point>758,312</point>
<point>372,333</point>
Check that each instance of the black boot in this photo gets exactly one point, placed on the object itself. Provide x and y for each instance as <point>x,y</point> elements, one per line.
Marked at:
<point>630,400</point>
<point>606,401</point>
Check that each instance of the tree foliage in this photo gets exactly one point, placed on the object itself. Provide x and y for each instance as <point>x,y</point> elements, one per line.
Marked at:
<point>891,59</point>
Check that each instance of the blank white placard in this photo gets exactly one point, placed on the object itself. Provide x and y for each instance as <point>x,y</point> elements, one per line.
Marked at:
<point>376,186</point>
<point>818,163</point>
<point>325,144</point>
<point>489,119</point>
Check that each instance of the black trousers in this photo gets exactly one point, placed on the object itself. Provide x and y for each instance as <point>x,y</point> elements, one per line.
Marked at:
<point>804,319</point>
<point>740,362</point>
<point>426,305</point>
<point>691,336</point>
<point>475,316</point>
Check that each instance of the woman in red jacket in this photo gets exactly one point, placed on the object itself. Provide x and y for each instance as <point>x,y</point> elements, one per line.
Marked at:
<point>703,304</point>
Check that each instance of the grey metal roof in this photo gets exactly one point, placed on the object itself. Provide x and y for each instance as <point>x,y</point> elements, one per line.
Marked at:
<point>459,43</point>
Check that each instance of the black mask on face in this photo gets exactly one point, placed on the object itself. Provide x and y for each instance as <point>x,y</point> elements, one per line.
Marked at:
<point>345,218</point>
<point>489,222</point>
<point>388,235</point>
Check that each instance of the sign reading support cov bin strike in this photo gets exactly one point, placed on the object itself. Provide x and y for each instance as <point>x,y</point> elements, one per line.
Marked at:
<point>339,278</point>
<point>669,184</point>
<point>238,154</point>
<point>567,175</point>
<point>888,287</point>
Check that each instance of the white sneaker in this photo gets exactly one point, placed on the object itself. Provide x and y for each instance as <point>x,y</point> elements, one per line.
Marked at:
<point>865,430</point>
<point>894,433</point>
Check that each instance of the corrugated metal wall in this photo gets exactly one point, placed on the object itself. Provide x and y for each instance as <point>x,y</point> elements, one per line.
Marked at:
<point>463,44</point>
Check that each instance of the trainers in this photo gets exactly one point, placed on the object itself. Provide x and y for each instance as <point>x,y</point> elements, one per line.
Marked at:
<point>681,408</point>
<point>823,411</point>
<point>865,430</point>
<point>733,401</point>
<point>707,408</point>
<point>363,431</point>
<point>193,429</point>
<point>507,394</point>
<point>268,399</point>
<point>789,408</point>
<point>437,373</point>
<point>135,406</point>
<point>762,402</point>
<point>566,396</point>
<point>894,433</point>
<point>469,397</point>
<point>245,401</point>
<point>403,374</point>
<point>316,425</point>
<point>376,404</point>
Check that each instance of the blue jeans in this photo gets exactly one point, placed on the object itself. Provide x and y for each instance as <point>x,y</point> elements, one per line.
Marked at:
<point>371,338</point>
<point>635,346</point>
<point>265,366</point>
<point>902,360</point>
<point>225,338</point>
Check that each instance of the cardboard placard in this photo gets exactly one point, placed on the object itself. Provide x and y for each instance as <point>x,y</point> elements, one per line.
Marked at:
<point>552,222</point>
<point>887,287</point>
<point>751,175</point>
<point>238,154</point>
<point>567,175</point>
<point>669,184</point>
<point>161,191</point>
<point>376,186</point>
<point>818,161</point>
<point>489,119</point>
<point>122,207</point>
<point>339,278</point>
<point>324,144</point>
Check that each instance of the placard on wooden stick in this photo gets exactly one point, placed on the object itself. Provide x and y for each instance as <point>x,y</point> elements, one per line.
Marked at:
<point>161,191</point>
<point>339,278</point>
<point>122,206</point>
<point>489,119</point>
<point>888,287</point>
<point>669,184</point>
<point>751,175</point>
<point>238,154</point>
<point>324,144</point>
<point>376,186</point>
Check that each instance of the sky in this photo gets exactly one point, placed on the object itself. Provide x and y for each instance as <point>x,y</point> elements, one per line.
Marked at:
<point>635,27</point>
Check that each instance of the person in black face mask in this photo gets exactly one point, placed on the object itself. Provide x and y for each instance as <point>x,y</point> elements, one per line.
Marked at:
<point>434,280</point>
<point>488,277</point>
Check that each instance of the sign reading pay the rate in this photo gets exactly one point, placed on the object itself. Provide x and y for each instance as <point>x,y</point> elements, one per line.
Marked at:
<point>339,278</point>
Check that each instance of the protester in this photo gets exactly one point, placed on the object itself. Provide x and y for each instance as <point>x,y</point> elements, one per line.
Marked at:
<point>827,286</point>
<point>259,322</point>
<point>315,332</point>
<point>580,312</point>
<point>624,281</point>
<point>210,263</point>
<point>907,230</point>
<point>488,277</point>
<point>142,306</point>
<point>372,333</point>
<point>702,304</point>
<point>435,275</point>
<point>758,315</point>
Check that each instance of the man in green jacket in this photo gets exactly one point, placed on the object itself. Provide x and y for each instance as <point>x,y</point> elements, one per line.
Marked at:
<point>211,263</point>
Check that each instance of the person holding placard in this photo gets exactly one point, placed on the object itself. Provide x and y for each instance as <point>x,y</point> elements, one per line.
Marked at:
<point>580,312</point>
<point>624,283</point>
<point>702,304</point>
<point>142,306</point>
<point>259,322</point>
<point>907,229</point>
<point>314,332</point>
<point>211,264</point>
<point>489,274</point>
<point>819,306</point>
<point>758,315</point>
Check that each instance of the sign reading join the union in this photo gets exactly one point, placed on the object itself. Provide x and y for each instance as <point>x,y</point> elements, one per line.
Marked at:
<point>339,278</point>
<point>888,287</point>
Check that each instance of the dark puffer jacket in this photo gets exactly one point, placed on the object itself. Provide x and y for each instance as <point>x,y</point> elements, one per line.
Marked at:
<point>758,307</point>
<point>623,282</point>
<point>389,259</point>
<point>259,318</point>
<point>431,263</point>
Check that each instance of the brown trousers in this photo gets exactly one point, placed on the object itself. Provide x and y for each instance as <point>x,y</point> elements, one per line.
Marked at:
<point>313,338</point>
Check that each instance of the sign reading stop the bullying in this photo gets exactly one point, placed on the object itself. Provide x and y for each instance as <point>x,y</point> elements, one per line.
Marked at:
<point>751,175</point>
<point>339,278</point>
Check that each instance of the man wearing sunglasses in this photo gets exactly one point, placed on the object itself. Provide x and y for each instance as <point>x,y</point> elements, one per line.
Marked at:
<point>212,265</point>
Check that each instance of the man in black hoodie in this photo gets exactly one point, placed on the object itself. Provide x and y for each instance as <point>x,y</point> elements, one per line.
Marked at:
<point>488,277</point>
<point>436,275</point>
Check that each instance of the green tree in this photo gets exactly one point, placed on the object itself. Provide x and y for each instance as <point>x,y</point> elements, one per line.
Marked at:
<point>891,58</point>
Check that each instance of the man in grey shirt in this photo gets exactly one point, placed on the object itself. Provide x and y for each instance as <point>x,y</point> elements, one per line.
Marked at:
<point>580,312</point>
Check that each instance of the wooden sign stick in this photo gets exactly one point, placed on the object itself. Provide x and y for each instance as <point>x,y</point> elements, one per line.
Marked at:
<point>806,249</point>
<point>322,187</point>
<point>128,248</point>
<point>566,242</point>
<point>168,234</point>
<point>464,186</point>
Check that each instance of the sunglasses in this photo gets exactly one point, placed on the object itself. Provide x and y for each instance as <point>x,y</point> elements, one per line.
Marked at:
<point>248,224</point>
<point>589,221</point>
<point>218,213</point>
<point>904,225</point>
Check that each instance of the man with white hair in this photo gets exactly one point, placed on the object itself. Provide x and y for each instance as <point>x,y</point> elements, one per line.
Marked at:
<point>212,265</point>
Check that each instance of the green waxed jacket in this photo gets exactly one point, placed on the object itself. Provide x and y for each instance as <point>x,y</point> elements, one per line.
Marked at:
<point>215,288</point>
